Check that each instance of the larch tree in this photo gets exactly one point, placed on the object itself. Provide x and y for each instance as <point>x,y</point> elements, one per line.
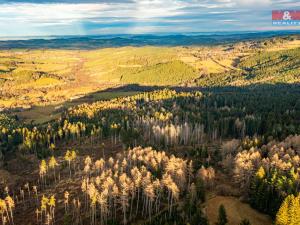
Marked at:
<point>289,212</point>
<point>10,206</point>
<point>190,172</point>
<point>35,191</point>
<point>27,187</point>
<point>52,204</point>
<point>43,172</point>
<point>44,204</point>
<point>73,159</point>
<point>68,158</point>
<point>66,201</point>
<point>52,165</point>
<point>3,211</point>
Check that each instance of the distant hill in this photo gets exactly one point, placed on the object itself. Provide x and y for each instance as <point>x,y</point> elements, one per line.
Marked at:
<point>94,42</point>
<point>39,77</point>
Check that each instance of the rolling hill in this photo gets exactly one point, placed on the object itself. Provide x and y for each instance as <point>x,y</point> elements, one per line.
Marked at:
<point>42,77</point>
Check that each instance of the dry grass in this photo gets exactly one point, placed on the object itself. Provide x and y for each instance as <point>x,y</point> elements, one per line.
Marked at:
<point>38,115</point>
<point>236,211</point>
<point>285,46</point>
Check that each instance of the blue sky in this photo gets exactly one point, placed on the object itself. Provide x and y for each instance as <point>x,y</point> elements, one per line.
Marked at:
<point>92,17</point>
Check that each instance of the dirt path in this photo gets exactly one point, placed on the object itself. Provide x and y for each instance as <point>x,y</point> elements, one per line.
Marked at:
<point>224,66</point>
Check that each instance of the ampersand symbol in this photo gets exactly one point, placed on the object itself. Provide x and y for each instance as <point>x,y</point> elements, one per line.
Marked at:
<point>286,16</point>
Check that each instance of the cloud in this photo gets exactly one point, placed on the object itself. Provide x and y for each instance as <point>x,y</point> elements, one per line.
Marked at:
<point>46,17</point>
<point>253,3</point>
<point>65,1</point>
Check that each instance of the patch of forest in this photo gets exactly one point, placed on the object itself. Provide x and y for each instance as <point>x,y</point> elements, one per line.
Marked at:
<point>261,156</point>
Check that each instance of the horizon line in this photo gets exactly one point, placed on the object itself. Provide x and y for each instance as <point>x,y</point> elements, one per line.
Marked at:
<point>32,37</point>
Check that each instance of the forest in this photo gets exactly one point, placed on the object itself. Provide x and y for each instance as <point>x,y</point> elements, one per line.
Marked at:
<point>177,135</point>
<point>260,154</point>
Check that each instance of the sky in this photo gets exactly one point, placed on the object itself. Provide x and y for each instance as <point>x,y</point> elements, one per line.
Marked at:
<point>97,17</point>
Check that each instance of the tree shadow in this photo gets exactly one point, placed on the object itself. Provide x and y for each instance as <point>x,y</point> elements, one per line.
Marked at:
<point>53,111</point>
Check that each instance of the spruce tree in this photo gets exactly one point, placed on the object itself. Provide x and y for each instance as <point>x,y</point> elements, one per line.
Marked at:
<point>222,219</point>
<point>245,222</point>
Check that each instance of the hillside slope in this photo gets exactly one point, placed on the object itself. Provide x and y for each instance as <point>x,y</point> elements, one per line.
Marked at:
<point>263,67</point>
<point>49,77</point>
